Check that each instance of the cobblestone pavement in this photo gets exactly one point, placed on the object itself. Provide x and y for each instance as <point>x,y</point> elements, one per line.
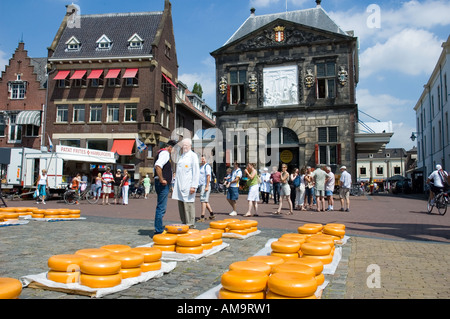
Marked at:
<point>386,257</point>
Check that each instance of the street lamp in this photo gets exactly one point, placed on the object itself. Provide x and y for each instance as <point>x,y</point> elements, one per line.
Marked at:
<point>413,136</point>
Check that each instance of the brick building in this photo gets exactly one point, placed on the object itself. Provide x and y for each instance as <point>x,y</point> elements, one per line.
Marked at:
<point>112,80</point>
<point>22,100</point>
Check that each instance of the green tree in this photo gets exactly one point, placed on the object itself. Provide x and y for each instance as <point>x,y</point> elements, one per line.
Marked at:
<point>198,89</point>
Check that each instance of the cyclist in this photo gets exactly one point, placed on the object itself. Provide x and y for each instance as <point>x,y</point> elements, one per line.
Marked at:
<point>75,186</point>
<point>438,181</point>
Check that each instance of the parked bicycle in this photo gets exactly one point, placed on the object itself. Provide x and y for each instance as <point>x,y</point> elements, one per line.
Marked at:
<point>440,201</point>
<point>72,197</point>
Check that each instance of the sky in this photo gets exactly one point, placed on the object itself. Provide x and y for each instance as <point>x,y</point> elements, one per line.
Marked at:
<point>399,42</point>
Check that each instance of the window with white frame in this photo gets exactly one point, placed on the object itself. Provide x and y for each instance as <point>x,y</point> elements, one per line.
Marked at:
<point>104,43</point>
<point>96,113</point>
<point>15,131</point>
<point>112,113</point>
<point>17,90</point>
<point>78,113</point>
<point>73,44</point>
<point>62,112</point>
<point>130,113</point>
<point>31,130</point>
<point>135,42</point>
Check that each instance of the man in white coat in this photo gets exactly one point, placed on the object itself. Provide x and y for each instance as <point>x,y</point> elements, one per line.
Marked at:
<point>186,183</point>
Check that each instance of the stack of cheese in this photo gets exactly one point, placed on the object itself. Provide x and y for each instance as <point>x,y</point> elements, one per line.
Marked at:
<point>288,246</point>
<point>10,288</point>
<point>13,213</point>
<point>58,213</point>
<point>245,280</point>
<point>103,267</point>
<point>236,226</point>
<point>181,239</point>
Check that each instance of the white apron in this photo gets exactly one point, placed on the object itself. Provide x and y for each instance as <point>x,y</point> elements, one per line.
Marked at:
<point>187,175</point>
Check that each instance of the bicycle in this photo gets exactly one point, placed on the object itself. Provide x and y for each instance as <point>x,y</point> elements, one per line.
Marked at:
<point>71,197</point>
<point>440,201</point>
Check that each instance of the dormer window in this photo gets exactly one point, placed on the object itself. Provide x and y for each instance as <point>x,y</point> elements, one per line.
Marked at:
<point>104,43</point>
<point>73,44</point>
<point>135,42</point>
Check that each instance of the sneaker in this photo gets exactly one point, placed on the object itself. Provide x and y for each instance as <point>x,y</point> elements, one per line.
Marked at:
<point>347,210</point>
<point>44,202</point>
<point>233,213</point>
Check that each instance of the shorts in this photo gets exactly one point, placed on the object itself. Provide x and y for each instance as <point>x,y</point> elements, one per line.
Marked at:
<point>320,192</point>
<point>233,193</point>
<point>344,193</point>
<point>204,196</point>
<point>285,190</point>
<point>106,189</point>
<point>328,193</point>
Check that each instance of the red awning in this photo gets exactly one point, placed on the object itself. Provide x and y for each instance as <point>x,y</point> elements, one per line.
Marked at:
<point>123,147</point>
<point>95,74</point>
<point>130,73</point>
<point>169,80</point>
<point>78,75</point>
<point>62,75</point>
<point>112,74</point>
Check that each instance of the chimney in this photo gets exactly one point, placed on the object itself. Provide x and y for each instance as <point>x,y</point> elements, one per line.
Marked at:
<point>318,2</point>
<point>252,12</point>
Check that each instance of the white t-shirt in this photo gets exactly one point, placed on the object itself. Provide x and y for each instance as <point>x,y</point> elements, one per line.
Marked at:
<point>43,179</point>
<point>234,174</point>
<point>436,179</point>
<point>205,170</point>
<point>346,179</point>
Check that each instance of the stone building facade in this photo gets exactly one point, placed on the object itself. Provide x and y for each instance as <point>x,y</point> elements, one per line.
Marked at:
<point>286,91</point>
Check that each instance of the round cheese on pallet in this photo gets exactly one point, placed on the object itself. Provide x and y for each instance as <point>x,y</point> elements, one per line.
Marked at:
<point>165,247</point>
<point>270,260</point>
<point>190,241</point>
<point>244,280</point>
<point>151,266</point>
<point>62,211</point>
<point>68,263</point>
<point>207,246</point>
<point>196,250</point>
<point>251,265</point>
<point>316,249</point>
<point>93,252</point>
<point>165,239</point>
<point>100,281</point>
<point>100,266</point>
<point>251,222</point>
<point>285,247</point>
<point>1,217</point>
<point>292,284</point>
<point>309,229</point>
<point>131,272</point>
<point>64,277</point>
<point>206,236</point>
<point>272,295</point>
<point>298,268</point>
<point>116,248</point>
<point>177,228</point>
<point>10,288</point>
<point>217,242</point>
<point>128,259</point>
<point>73,216</point>
<point>237,225</point>
<point>151,254</point>
<point>315,264</point>
<point>301,238</point>
<point>228,294</point>
<point>320,279</point>
<point>285,256</point>
<point>216,233</point>
<point>323,239</point>
<point>75,211</point>
<point>219,224</point>
<point>10,215</point>
<point>325,259</point>
<point>231,220</point>
<point>335,231</point>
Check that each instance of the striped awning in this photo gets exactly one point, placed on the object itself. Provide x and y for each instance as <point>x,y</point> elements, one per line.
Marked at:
<point>29,117</point>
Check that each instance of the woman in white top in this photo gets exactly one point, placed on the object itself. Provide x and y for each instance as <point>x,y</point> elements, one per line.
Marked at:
<point>285,193</point>
<point>300,196</point>
<point>42,186</point>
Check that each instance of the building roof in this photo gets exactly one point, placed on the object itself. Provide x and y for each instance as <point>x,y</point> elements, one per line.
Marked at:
<point>118,27</point>
<point>315,17</point>
<point>40,68</point>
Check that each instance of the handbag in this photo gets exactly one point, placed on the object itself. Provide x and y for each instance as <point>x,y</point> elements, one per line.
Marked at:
<point>36,193</point>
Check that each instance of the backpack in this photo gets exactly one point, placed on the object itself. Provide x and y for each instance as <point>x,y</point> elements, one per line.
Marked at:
<point>296,181</point>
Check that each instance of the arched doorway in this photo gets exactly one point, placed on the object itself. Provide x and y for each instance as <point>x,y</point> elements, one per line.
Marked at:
<point>288,148</point>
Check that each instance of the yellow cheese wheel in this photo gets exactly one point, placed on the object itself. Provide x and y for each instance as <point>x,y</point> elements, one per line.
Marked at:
<point>216,233</point>
<point>315,264</point>
<point>100,266</point>
<point>252,223</point>
<point>252,229</point>
<point>286,247</point>
<point>206,236</point>
<point>128,259</point>
<point>68,263</point>
<point>1,218</point>
<point>308,229</point>
<point>335,231</point>
<point>130,272</point>
<point>116,248</point>
<point>20,209</point>
<point>151,266</point>
<point>325,259</point>
<point>219,224</point>
<point>340,226</point>
<point>51,212</point>
<point>298,268</point>
<point>151,254</point>
<point>285,256</point>
<point>237,225</point>
<point>177,228</point>
<point>244,280</point>
<point>8,209</point>
<point>295,237</point>
<point>217,242</point>
<point>231,220</point>
<point>37,215</point>
<point>324,239</point>
<point>93,281</point>
<point>251,265</point>
<point>10,288</point>
<point>320,279</point>
<point>165,247</point>
<point>165,239</point>
<point>207,246</point>
<point>75,211</point>
<point>272,295</point>
<point>192,231</point>
<point>228,294</point>
<point>270,260</point>
<point>292,284</point>
<point>73,216</point>
<point>190,241</point>
<point>64,277</point>
<point>196,250</point>
<point>319,226</point>
<point>62,211</point>
<point>10,215</point>
<point>316,249</point>
<point>242,232</point>
<point>93,252</point>
<point>54,216</point>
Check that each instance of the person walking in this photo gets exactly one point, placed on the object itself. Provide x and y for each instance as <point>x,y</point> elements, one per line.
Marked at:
<point>285,190</point>
<point>233,189</point>
<point>309,188</point>
<point>125,186</point>
<point>205,188</point>
<point>300,196</point>
<point>186,183</point>
<point>329,188</point>
<point>42,185</point>
<point>163,180</point>
<point>146,183</point>
<point>98,186</point>
<point>292,177</point>
<point>118,177</point>
<point>265,186</point>
<point>107,179</point>
<point>345,183</point>
<point>253,189</point>
<point>275,181</point>
<point>75,186</point>
<point>320,177</point>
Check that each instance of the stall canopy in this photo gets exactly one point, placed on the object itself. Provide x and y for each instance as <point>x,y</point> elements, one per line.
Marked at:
<point>123,147</point>
<point>69,153</point>
<point>29,118</point>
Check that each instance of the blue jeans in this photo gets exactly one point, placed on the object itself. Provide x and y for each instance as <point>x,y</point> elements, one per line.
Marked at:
<point>162,193</point>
